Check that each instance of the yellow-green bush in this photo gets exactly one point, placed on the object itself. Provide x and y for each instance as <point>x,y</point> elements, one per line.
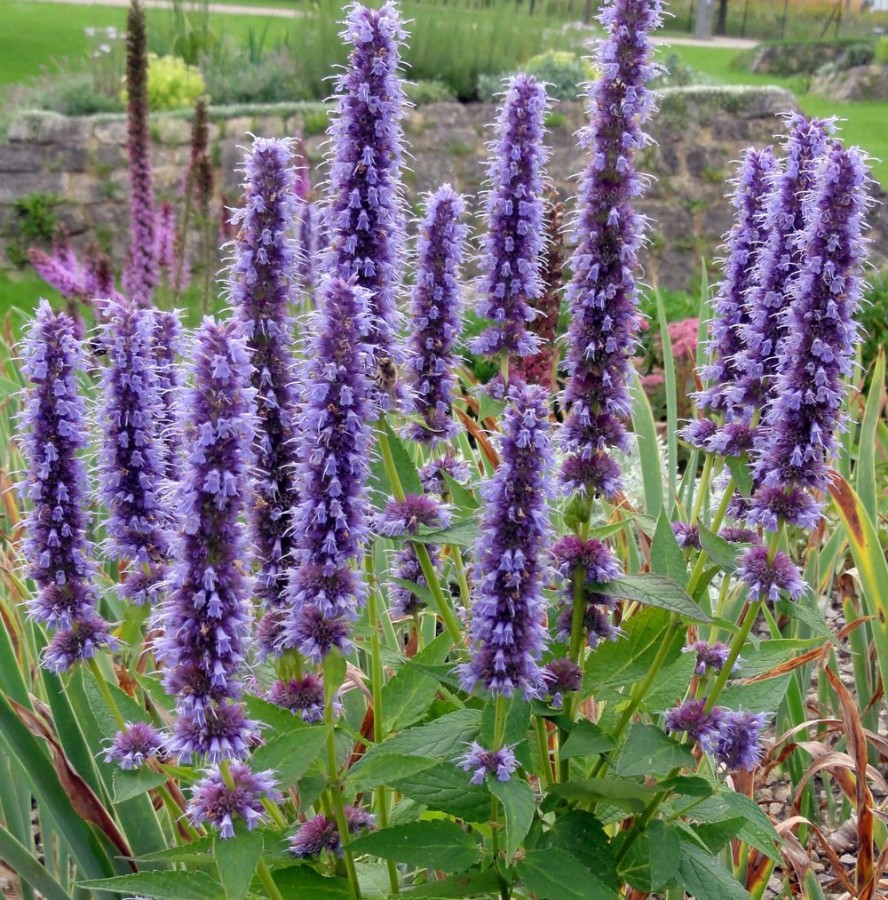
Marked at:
<point>172,83</point>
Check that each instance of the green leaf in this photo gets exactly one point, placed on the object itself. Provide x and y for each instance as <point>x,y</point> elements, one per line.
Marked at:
<point>612,790</point>
<point>407,696</point>
<point>289,757</point>
<point>771,653</point>
<point>127,785</point>
<point>705,878</point>
<point>407,474</point>
<point>655,590</point>
<point>516,724</point>
<point>437,740</point>
<point>652,860</point>
<point>761,696</point>
<point>757,829</point>
<point>435,844</point>
<point>718,834</point>
<point>618,664</point>
<point>554,874</point>
<point>23,862</point>
<point>463,533</point>
<point>468,884</point>
<point>584,837</point>
<point>586,739</point>
<point>461,497</point>
<point>648,751</point>
<point>447,789</point>
<point>163,885</point>
<point>671,684</point>
<point>720,551</point>
<point>648,448</point>
<point>671,400</point>
<point>489,407</point>
<point>519,803</point>
<point>667,558</point>
<point>279,720</point>
<point>236,860</point>
<point>369,772</point>
<point>688,785</point>
<point>304,881</point>
<point>865,471</point>
<point>129,709</point>
<point>335,667</point>
<point>738,466</point>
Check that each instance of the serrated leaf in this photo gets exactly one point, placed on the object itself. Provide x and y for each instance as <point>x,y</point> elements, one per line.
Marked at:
<point>490,407</point>
<point>515,726</point>
<point>127,785</point>
<point>808,617</point>
<point>739,468</point>
<point>369,772</point>
<point>667,558</point>
<point>657,591</point>
<point>720,551</point>
<point>279,720</point>
<point>518,804</point>
<point>236,860</point>
<point>447,789</point>
<point>304,881</point>
<point>612,790</point>
<point>463,533</point>
<point>407,696</point>
<point>760,696</point>
<point>162,885</point>
<point>652,860</point>
<point>289,757</point>
<point>771,653</point>
<point>717,835</point>
<point>437,740</point>
<point>404,465</point>
<point>688,785</point>
<point>648,751</point>
<point>435,844</point>
<point>757,829</point>
<point>706,878</point>
<point>586,739</point>
<point>554,874</point>
<point>584,837</point>
<point>671,684</point>
<point>468,884</point>
<point>461,497</point>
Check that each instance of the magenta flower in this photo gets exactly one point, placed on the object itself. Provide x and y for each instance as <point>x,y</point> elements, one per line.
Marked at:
<point>436,317</point>
<point>218,801</point>
<point>602,291</point>
<point>510,266</point>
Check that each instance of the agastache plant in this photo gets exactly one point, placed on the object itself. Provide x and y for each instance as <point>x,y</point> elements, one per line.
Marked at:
<point>365,216</point>
<point>602,292</point>
<point>331,523</point>
<point>140,275</point>
<point>132,459</point>
<point>56,544</point>
<point>510,282</point>
<point>261,285</point>
<point>436,316</point>
<point>166,350</point>
<point>206,618</point>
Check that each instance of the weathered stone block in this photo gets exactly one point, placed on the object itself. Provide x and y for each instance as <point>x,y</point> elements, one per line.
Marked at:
<point>112,132</point>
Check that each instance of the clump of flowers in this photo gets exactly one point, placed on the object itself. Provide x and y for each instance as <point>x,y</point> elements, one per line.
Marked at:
<point>320,834</point>
<point>219,797</point>
<point>134,745</point>
<point>482,762</point>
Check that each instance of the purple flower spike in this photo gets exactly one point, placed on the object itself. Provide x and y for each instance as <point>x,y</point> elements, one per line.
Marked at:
<point>711,656</point>
<point>738,745</point>
<point>602,292</point>
<point>140,274</point>
<point>765,579</point>
<point>301,695</point>
<point>436,316</point>
<point>819,348</point>
<point>365,216</point>
<point>135,745</point>
<point>312,237</point>
<point>701,726</point>
<point>687,536</point>
<point>482,762</point>
<point>793,505</point>
<point>261,286</point>
<point>167,350</point>
<point>132,459</point>
<point>511,281</point>
<point>206,617</point>
<point>431,475</point>
<point>562,676</point>
<point>331,523</point>
<point>777,264</point>
<point>56,545</point>
<point>217,799</point>
<point>736,534</point>
<point>507,632</point>
<point>321,834</point>
<point>753,186</point>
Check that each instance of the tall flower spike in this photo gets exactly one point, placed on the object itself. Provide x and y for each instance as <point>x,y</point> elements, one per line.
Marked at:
<point>507,632</point>
<point>746,237</point>
<point>140,274</point>
<point>132,459</point>
<point>261,286</point>
<point>206,617</point>
<point>365,216</point>
<point>818,351</point>
<point>167,348</point>
<point>602,291</point>
<point>331,523</point>
<point>56,545</point>
<point>436,316</point>
<point>510,280</point>
<point>777,264</point>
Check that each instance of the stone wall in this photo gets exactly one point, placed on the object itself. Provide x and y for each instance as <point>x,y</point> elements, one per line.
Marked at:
<point>699,133</point>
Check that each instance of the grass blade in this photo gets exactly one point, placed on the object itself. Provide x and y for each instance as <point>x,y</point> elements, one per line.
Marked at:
<point>866,460</point>
<point>648,448</point>
<point>23,862</point>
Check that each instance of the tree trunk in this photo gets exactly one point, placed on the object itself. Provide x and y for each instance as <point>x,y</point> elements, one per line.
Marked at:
<point>721,24</point>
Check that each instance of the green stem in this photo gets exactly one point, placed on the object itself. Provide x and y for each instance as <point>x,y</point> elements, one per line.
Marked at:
<point>721,512</point>
<point>267,880</point>
<point>335,791</point>
<point>543,747</point>
<point>575,649</point>
<point>460,567</point>
<point>274,813</point>
<point>106,692</point>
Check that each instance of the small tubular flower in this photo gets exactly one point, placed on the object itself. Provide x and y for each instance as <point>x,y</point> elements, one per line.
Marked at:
<point>767,578</point>
<point>365,217</point>
<point>701,726</point>
<point>261,284</point>
<point>206,616</point>
<point>167,348</point>
<point>331,522</point>
<point>436,316</point>
<point>320,834</point>
<point>507,632</point>
<point>304,696</point>
<point>56,545</point>
<point>482,762</point>
<point>134,745</point>
<point>711,656</point>
<point>510,280</point>
<point>738,744</point>
<point>602,291</point>
<point>218,800</point>
<point>131,462</point>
